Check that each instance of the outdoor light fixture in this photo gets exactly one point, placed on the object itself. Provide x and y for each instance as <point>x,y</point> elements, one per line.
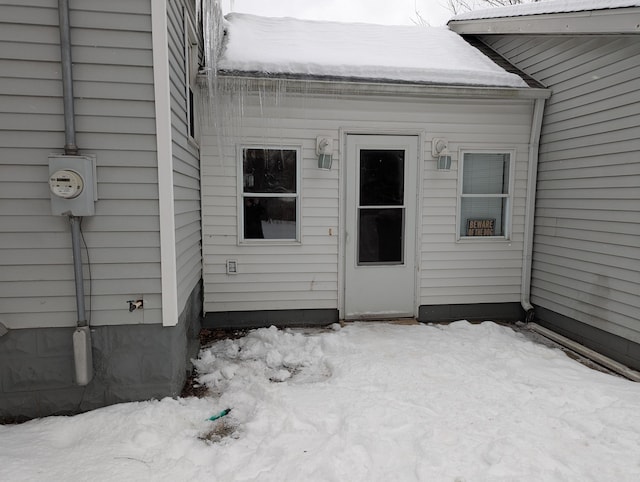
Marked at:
<point>440,150</point>
<point>324,146</point>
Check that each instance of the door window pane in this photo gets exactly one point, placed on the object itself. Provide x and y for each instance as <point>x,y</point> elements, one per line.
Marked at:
<point>381,236</point>
<point>381,177</point>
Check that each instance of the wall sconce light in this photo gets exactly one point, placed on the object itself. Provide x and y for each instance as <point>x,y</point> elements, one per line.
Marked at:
<point>440,150</point>
<point>324,146</point>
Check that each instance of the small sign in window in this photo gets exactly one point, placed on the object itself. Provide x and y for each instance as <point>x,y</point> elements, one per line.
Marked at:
<point>481,227</point>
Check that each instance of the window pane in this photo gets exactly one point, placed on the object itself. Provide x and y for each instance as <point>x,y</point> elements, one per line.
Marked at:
<point>270,218</point>
<point>269,170</point>
<point>381,177</point>
<point>192,119</point>
<point>380,236</point>
<point>484,214</point>
<point>485,174</point>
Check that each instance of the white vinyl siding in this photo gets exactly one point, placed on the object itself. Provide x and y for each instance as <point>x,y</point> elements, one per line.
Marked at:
<point>112,68</point>
<point>186,164</point>
<point>308,275</point>
<point>586,259</point>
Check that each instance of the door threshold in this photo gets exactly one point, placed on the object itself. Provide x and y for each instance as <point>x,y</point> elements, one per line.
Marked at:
<point>390,321</point>
<point>404,321</point>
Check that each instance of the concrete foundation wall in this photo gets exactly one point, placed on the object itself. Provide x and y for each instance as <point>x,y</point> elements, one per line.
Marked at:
<point>616,347</point>
<point>263,318</point>
<point>510,312</point>
<point>131,362</point>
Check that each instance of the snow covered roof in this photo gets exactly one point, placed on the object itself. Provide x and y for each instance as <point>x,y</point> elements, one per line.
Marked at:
<point>546,7</point>
<point>288,46</point>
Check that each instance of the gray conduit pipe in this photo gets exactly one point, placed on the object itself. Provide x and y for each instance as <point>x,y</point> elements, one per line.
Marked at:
<point>77,269</point>
<point>70,146</point>
<point>82,351</point>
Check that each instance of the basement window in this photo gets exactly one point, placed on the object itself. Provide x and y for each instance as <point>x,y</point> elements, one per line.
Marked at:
<point>270,194</point>
<point>485,197</point>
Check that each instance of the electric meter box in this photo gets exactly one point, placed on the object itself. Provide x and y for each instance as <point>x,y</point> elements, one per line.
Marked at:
<point>72,185</point>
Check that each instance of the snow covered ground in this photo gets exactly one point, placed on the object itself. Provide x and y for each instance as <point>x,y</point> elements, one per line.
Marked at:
<point>367,402</point>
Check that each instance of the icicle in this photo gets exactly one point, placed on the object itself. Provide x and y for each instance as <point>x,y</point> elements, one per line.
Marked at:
<point>212,22</point>
<point>225,101</point>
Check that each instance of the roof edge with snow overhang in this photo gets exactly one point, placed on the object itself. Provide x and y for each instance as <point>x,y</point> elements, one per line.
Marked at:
<point>307,85</point>
<point>554,17</point>
<point>332,52</point>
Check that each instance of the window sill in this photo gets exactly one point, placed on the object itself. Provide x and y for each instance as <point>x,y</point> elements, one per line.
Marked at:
<point>485,239</point>
<point>269,242</point>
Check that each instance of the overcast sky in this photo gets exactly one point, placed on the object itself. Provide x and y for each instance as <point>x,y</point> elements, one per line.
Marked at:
<point>388,12</point>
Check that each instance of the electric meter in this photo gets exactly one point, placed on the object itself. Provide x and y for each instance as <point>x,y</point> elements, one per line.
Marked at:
<point>66,184</point>
<point>72,185</point>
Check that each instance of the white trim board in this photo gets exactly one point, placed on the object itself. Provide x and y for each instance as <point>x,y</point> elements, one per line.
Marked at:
<point>162,87</point>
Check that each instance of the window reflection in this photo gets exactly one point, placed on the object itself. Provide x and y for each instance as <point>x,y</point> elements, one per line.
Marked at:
<point>269,171</point>
<point>381,239</point>
<point>381,177</point>
<point>485,194</point>
<point>381,229</point>
<point>269,183</point>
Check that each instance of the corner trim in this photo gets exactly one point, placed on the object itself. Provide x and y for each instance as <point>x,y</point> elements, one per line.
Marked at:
<point>162,97</point>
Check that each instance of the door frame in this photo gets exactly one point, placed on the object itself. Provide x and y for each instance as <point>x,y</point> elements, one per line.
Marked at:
<point>344,132</point>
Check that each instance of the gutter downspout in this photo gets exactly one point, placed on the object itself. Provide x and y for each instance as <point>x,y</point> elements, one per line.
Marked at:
<point>527,249</point>
<point>82,352</point>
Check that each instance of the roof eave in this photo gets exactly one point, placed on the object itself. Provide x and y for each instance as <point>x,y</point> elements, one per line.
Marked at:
<point>619,21</point>
<point>310,85</point>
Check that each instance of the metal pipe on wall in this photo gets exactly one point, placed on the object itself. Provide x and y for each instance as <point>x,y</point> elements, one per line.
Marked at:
<point>70,146</point>
<point>82,351</point>
<point>77,269</point>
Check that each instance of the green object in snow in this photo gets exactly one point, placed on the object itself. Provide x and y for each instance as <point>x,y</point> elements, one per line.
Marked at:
<point>219,415</point>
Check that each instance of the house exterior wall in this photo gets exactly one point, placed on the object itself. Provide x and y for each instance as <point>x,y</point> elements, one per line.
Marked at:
<point>308,276</point>
<point>586,256</point>
<point>113,85</point>
<point>115,121</point>
<point>130,362</point>
<point>186,159</point>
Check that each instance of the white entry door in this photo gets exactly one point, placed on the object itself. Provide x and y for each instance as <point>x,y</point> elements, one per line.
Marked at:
<point>380,230</point>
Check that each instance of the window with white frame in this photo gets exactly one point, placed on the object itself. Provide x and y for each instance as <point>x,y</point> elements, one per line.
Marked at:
<point>270,194</point>
<point>485,195</point>
<point>192,64</point>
